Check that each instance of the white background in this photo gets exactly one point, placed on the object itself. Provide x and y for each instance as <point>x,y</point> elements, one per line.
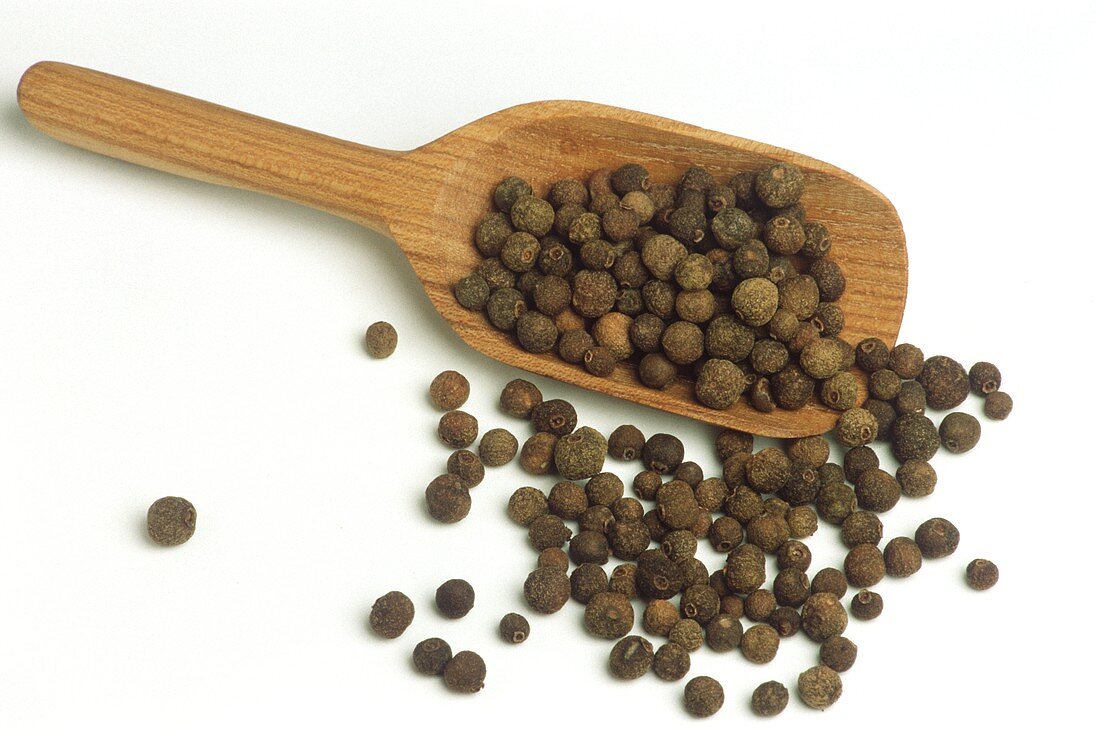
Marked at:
<point>164,337</point>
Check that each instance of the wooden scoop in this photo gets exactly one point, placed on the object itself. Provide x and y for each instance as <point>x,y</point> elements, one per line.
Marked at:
<point>430,199</point>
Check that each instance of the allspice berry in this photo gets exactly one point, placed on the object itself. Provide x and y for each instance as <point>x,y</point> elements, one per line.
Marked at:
<point>946,383</point>
<point>838,653</point>
<point>823,616</point>
<point>449,390</point>
<point>662,453</point>
<point>458,429</point>
<point>170,521</point>
<point>466,466</point>
<point>703,696</point>
<point>608,615</point>
<point>687,633</point>
<point>514,628</point>
<point>625,443</point>
<point>448,498</point>
<point>431,656</point>
<point>580,454</point>
<point>861,527</point>
<point>659,617</point>
<point>719,383</point>
<point>755,301</point>
<point>391,615</point>
<point>866,605</point>
<point>586,582</point>
<point>902,557</point>
<point>454,598</point>
<point>554,416</point>
<point>982,574</point>
<point>877,491</point>
<point>768,470</point>
<point>779,185</point>
<point>864,565</point>
<point>553,558</point>
<point>819,687</point>
<point>630,658</point>
<point>872,355</point>
<point>497,447</point>
<point>759,644</point>
<point>723,633</point>
<point>960,432</point>
<point>671,662</point>
<point>769,699</point>
<point>985,378</point>
<point>998,405</point>
<point>829,580</point>
<point>917,478</point>
<point>465,673</point>
<point>519,397</point>
<point>546,590</point>
<point>526,504</point>
<point>856,427</point>
<point>589,547</point>
<point>937,538</point>
<point>914,436</point>
<point>907,360</point>
<point>548,531</point>
<point>381,340</point>
<point>537,454</point>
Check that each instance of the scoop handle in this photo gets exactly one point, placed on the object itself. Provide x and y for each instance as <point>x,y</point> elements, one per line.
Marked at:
<point>190,137</point>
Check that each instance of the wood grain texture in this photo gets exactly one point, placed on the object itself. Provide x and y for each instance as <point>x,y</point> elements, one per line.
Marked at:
<point>430,199</point>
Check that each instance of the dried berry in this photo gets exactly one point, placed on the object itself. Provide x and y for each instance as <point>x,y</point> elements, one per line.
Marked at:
<point>658,576</point>
<point>466,466</point>
<point>759,604</point>
<point>580,454</point>
<point>872,355</point>
<point>553,558</point>
<point>859,460</point>
<point>914,436</point>
<point>703,696</point>
<point>829,580</point>
<point>856,427</point>
<point>823,616</point>
<point>525,505</point>
<point>514,628</point>
<point>907,360</point>
<point>719,384</point>
<point>769,699</point>
<point>381,340</point>
<point>391,615</point>
<point>630,177</point>
<point>519,397</point>
<point>877,491</point>
<point>982,574</point>
<point>170,521</point>
<point>504,307</point>
<point>835,502</point>
<point>786,621</point>
<point>662,453</point>
<point>760,644</point>
<point>659,617</point>
<point>755,301</point>
<point>457,429</point>
<point>472,292</point>
<point>960,431</point>
<point>546,589</point>
<point>682,342</point>
<point>937,538</point>
<point>687,633</point>
<point>537,453</point>
<point>802,521</point>
<point>902,557</point>
<point>819,687</point>
<point>625,443</point>
<point>723,633</point>
<point>497,447</point>
<point>509,190</point>
<point>431,656</point>
<point>608,615</point>
<point>998,405</point>
<point>779,185</point>
<point>861,527</point>
<point>548,531</point>
<point>910,398</point>
<point>448,498</point>
<point>866,605</point>
<point>732,227</point>
<point>627,509</point>
<point>916,478</point>
<point>631,658</point>
<point>554,416</point>
<point>465,673</point>
<point>945,382</point>
<point>671,662</point>
<point>589,547</point>
<point>623,581</point>
<point>655,371</point>
<point>586,582</point>
<point>767,531</point>
<point>791,587</point>
<point>864,565</point>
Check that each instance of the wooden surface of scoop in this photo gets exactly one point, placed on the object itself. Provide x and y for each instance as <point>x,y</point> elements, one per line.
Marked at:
<point>430,199</point>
